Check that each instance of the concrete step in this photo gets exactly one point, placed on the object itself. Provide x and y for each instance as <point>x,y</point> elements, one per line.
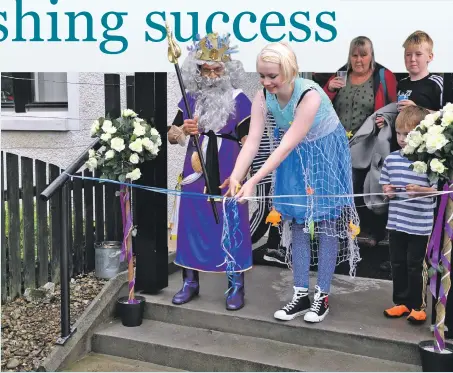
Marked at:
<point>107,363</point>
<point>199,349</point>
<point>355,324</point>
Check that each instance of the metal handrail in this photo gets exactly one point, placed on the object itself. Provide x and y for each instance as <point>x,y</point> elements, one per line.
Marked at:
<point>58,183</point>
<point>60,186</point>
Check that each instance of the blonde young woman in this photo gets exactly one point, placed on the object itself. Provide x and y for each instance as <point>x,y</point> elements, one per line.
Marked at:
<point>312,175</point>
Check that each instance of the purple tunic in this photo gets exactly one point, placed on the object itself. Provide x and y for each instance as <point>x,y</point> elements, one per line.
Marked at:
<point>199,238</point>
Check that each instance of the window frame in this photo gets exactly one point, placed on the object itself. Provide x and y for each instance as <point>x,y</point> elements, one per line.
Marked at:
<point>25,115</point>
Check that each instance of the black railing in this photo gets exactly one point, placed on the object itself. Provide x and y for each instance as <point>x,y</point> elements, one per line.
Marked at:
<point>59,185</point>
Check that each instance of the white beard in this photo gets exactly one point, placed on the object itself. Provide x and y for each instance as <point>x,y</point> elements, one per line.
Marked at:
<point>214,103</point>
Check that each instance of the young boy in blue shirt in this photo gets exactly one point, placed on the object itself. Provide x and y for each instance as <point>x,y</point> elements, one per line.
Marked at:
<point>410,222</point>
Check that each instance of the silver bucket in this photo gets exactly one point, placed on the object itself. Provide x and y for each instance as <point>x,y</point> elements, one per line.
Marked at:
<point>107,259</point>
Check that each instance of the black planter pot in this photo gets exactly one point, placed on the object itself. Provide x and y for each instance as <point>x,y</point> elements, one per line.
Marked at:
<point>433,361</point>
<point>131,314</point>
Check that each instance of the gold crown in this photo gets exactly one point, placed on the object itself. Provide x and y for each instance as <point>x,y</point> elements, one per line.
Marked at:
<point>213,48</point>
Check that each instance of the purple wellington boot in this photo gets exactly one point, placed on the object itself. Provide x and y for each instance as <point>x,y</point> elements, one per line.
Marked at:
<point>235,297</point>
<point>190,287</point>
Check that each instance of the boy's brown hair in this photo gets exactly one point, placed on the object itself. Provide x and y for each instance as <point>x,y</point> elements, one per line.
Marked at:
<point>410,117</point>
<point>417,38</point>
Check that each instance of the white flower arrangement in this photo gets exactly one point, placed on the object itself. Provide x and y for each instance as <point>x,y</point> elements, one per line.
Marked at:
<point>430,145</point>
<point>125,143</point>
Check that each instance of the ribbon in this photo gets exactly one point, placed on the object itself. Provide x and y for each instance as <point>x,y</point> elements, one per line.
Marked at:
<point>231,239</point>
<point>437,257</point>
<point>203,196</point>
<point>434,242</point>
<point>127,231</point>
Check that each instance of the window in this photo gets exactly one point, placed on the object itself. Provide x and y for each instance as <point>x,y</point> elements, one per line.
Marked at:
<point>7,90</point>
<point>28,90</point>
<point>49,88</point>
<point>39,101</point>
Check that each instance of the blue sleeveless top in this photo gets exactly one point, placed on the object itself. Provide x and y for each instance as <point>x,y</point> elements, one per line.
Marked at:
<point>326,119</point>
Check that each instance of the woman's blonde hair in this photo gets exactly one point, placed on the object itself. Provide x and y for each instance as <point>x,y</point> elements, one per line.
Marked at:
<point>360,43</point>
<point>282,54</point>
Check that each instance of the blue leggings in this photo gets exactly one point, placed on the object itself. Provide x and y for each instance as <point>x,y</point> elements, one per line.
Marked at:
<point>301,250</point>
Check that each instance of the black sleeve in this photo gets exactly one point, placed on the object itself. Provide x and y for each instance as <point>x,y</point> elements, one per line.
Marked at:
<point>242,128</point>
<point>179,119</point>
<point>438,96</point>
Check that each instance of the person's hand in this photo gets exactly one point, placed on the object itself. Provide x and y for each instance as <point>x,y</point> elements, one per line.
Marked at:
<point>412,190</point>
<point>380,122</point>
<point>190,126</point>
<point>233,186</point>
<point>336,83</point>
<point>404,104</point>
<point>246,191</point>
<point>389,191</point>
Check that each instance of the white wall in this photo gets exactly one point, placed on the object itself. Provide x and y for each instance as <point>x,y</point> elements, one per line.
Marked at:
<point>62,147</point>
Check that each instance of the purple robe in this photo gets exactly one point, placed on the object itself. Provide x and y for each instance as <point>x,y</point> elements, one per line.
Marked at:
<point>199,238</point>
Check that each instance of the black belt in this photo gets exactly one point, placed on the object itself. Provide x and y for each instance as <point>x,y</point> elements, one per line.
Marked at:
<point>212,159</point>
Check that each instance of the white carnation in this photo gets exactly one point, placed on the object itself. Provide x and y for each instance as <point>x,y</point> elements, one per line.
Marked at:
<point>421,148</point>
<point>117,144</point>
<point>91,153</point>
<point>432,117</point>
<point>435,130</point>
<point>154,132</point>
<point>420,167</point>
<point>92,163</point>
<point>155,149</point>
<point>448,107</point>
<point>128,113</point>
<point>435,142</point>
<point>139,130</point>
<point>134,158</point>
<point>414,139</point>
<point>147,143</point>
<point>94,127</point>
<point>436,166</point>
<point>109,155</point>
<point>106,137</point>
<point>427,122</point>
<point>447,118</point>
<point>108,127</point>
<point>136,146</point>
<point>134,175</point>
<point>408,149</point>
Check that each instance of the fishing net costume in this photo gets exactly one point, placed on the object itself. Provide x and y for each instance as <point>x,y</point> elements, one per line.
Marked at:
<point>312,187</point>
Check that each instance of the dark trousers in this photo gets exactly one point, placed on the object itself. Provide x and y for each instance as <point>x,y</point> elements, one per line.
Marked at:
<point>258,226</point>
<point>407,252</point>
<point>369,221</point>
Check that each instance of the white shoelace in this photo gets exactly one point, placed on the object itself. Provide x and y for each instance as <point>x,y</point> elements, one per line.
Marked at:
<point>296,297</point>
<point>317,301</point>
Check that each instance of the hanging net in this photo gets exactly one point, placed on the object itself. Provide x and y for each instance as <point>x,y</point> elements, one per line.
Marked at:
<point>313,185</point>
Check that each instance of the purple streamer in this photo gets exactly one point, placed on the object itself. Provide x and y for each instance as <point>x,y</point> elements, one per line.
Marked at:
<point>434,242</point>
<point>127,223</point>
<point>436,257</point>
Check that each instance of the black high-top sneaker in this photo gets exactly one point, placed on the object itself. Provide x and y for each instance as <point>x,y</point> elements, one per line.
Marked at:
<point>299,305</point>
<point>320,307</point>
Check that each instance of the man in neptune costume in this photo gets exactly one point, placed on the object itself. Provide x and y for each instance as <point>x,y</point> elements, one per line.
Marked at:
<point>221,118</point>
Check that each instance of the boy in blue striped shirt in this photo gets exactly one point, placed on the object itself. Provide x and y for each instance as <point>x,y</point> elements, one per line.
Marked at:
<point>410,222</point>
